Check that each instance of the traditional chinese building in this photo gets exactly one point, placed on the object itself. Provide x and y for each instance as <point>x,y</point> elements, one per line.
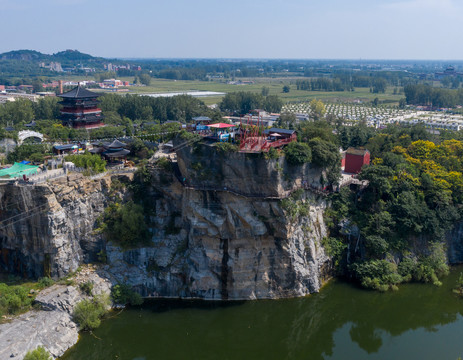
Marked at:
<point>355,159</point>
<point>112,152</point>
<point>80,109</point>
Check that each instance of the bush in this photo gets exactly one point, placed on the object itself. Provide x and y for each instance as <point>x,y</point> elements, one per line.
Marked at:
<point>14,299</point>
<point>88,313</point>
<point>272,154</point>
<point>86,287</point>
<point>33,152</point>
<point>298,153</point>
<point>123,294</point>
<point>45,282</point>
<point>164,164</point>
<point>38,354</point>
<point>226,147</point>
<point>432,267</point>
<point>377,274</point>
<point>125,225</point>
<point>335,248</point>
<point>91,162</point>
<point>376,245</point>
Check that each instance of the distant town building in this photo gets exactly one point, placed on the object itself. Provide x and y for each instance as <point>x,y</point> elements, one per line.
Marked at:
<point>80,109</point>
<point>53,66</point>
<point>113,83</point>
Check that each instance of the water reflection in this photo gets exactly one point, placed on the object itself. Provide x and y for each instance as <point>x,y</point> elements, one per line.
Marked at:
<point>340,322</point>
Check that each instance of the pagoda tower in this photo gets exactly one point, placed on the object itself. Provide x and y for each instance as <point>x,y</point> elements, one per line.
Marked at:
<point>80,109</point>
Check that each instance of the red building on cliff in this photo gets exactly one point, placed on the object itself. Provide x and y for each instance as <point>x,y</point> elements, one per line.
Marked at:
<point>355,159</point>
<point>80,109</point>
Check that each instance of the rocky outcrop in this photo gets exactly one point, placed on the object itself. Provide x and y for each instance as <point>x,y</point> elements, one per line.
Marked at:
<point>226,237</point>
<point>48,229</point>
<point>227,248</point>
<point>52,326</point>
<point>248,174</point>
<point>215,243</point>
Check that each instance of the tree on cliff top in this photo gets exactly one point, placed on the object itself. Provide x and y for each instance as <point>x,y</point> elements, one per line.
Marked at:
<point>298,153</point>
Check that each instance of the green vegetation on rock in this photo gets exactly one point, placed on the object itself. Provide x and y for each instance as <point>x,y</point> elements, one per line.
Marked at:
<point>414,192</point>
<point>123,294</point>
<point>124,224</point>
<point>89,312</point>
<point>298,153</point>
<point>14,299</point>
<point>38,354</point>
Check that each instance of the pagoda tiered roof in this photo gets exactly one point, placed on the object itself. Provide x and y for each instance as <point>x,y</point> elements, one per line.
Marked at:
<point>79,93</point>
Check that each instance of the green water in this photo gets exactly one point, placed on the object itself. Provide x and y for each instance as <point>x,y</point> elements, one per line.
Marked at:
<point>342,322</point>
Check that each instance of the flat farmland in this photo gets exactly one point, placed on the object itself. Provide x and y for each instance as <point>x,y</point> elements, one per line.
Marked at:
<point>275,86</point>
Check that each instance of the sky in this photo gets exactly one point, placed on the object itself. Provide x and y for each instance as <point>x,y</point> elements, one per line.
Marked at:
<point>291,29</point>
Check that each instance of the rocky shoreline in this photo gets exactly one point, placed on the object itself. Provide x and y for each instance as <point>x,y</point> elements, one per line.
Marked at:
<point>51,326</point>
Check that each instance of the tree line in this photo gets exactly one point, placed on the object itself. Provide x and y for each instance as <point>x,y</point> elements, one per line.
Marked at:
<point>342,83</point>
<point>243,102</point>
<point>426,95</point>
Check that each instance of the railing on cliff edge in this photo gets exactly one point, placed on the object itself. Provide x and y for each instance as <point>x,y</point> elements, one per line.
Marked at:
<point>50,175</point>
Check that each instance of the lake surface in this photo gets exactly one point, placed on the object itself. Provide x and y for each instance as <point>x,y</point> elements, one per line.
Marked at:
<point>341,322</point>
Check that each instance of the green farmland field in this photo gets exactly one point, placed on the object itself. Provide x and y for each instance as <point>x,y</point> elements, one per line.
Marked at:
<point>275,86</point>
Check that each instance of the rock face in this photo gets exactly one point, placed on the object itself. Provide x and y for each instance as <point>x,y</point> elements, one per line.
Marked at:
<point>47,230</point>
<point>455,244</point>
<point>227,248</point>
<point>52,326</point>
<point>246,174</point>
<point>228,242</point>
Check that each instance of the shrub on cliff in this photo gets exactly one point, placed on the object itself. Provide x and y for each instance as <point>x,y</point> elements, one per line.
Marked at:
<point>123,294</point>
<point>226,147</point>
<point>88,313</point>
<point>38,354</point>
<point>14,299</point>
<point>124,224</point>
<point>298,153</point>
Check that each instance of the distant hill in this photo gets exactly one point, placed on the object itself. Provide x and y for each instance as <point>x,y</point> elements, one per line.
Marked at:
<point>66,56</point>
<point>24,55</point>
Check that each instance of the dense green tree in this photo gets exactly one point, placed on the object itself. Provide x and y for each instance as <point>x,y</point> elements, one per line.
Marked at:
<point>298,153</point>
<point>125,225</point>
<point>317,109</point>
<point>286,121</point>
<point>145,79</point>
<point>272,103</point>
<point>241,102</point>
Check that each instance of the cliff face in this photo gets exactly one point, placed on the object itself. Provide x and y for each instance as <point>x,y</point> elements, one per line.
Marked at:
<point>248,174</point>
<point>212,244</point>
<point>224,235</point>
<point>227,247</point>
<point>47,230</point>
